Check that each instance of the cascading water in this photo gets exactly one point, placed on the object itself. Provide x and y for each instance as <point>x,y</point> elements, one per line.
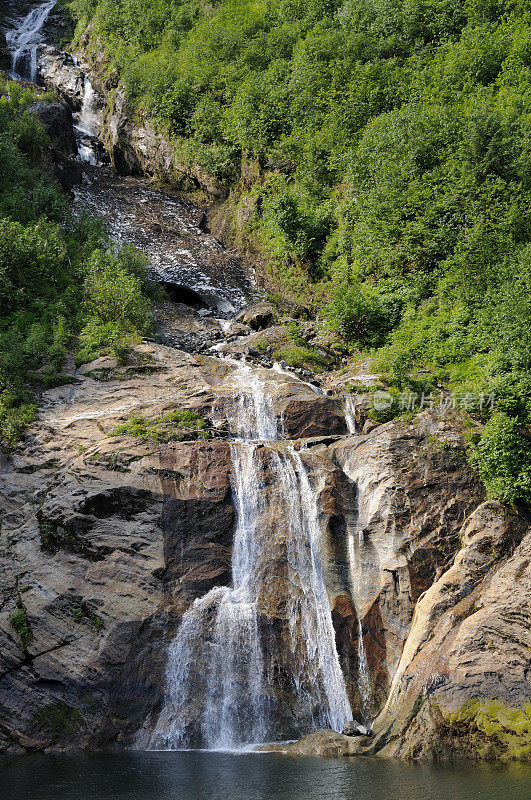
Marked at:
<point>24,39</point>
<point>258,660</point>
<point>364,679</point>
<point>355,550</point>
<point>309,615</point>
<point>350,414</point>
<point>88,120</point>
<point>87,123</point>
<point>254,416</point>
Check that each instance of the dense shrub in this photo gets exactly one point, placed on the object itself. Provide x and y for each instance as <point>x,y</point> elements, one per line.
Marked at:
<point>502,458</point>
<point>392,153</point>
<point>51,267</point>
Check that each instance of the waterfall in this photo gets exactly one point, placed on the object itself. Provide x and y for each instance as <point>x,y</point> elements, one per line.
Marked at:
<point>315,616</point>
<point>355,550</point>
<point>87,122</point>
<point>364,678</point>
<point>88,119</point>
<point>254,416</point>
<point>220,633</point>
<point>24,40</point>
<point>350,414</point>
<point>258,660</point>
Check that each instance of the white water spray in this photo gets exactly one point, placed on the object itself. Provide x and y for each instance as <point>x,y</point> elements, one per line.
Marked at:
<point>24,40</point>
<point>350,414</point>
<point>225,688</point>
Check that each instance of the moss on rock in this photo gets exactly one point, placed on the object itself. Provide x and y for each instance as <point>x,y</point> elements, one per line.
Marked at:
<point>494,729</point>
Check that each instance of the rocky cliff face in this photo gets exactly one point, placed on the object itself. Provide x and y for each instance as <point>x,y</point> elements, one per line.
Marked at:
<point>464,675</point>
<point>117,514</point>
<point>107,539</point>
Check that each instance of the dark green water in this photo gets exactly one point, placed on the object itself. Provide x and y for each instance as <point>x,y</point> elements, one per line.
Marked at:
<point>220,776</point>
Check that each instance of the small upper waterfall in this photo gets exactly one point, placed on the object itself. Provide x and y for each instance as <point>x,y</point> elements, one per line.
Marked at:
<point>88,120</point>
<point>254,416</point>
<point>258,660</point>
<point>350,414</point>
<point>23,40</point>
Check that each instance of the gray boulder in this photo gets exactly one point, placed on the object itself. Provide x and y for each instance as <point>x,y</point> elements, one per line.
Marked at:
<point>58,72</point>
<point>355,729</point>
<point>58,124</point>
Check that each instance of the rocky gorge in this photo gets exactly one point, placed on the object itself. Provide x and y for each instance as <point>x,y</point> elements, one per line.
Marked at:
<point>203,505</point>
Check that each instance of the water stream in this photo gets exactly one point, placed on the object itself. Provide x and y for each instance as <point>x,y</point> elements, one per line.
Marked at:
<point>350,414</point>
<point>251,653</point>
<point>87,123</point>
<point>24,38</point>
<point>255,661</point>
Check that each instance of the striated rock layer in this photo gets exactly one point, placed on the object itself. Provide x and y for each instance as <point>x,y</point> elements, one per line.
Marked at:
<point>107,539</point>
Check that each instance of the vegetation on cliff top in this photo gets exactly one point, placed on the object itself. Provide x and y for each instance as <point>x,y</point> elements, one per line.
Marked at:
<point>59,276</point>
<point>391,148</point>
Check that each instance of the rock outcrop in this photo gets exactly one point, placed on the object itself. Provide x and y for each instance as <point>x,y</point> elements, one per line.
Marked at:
<point>56,119</point>
<point>464,676</point>
<point>5,55</point>
<point>107,539</point>
<point>193,266</point>
<point>57,71</point>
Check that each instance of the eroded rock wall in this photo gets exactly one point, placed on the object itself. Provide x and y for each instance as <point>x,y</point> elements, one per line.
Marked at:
<point>106,540</point>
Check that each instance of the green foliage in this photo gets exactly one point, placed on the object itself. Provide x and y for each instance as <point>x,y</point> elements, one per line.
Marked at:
<point>19,621</point>
<point>304,357</point>
<point>494,729</point>
<point>49,263</point>
<point>502,458</point>
<point>174,426</point>
<point>83,612</point>
<point>116,309</point>
<point>385,405</point>
<point>364,314</point>
<point>391,148</point>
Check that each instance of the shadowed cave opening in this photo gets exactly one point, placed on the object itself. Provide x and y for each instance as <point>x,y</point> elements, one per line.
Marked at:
<point>181,294</point>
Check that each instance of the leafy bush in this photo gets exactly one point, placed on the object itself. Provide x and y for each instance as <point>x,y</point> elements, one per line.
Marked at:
<point>174,426</point>
<point>364,314</point>
<point>116,310</point>
<point>19,621</point>
<point>47,262</point>
<point>502,458</point>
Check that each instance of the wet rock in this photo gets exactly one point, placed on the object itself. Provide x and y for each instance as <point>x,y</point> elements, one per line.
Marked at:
<point>315,415</point>
<point>403,508</point>
<point>193,266</point>
<point>5,55</point>
<point>355,729</point>
<point>58,72</point>
<point>134,146</point>
<point>238,329</point>
<point>322,743</point>
<point>99,570</point>
<point>58,124</point>
<point>370,425</point>
<point>258,317</point>
<point>68,171</point>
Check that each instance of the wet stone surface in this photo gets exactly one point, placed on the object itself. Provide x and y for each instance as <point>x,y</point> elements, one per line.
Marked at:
<point>167,228</point>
